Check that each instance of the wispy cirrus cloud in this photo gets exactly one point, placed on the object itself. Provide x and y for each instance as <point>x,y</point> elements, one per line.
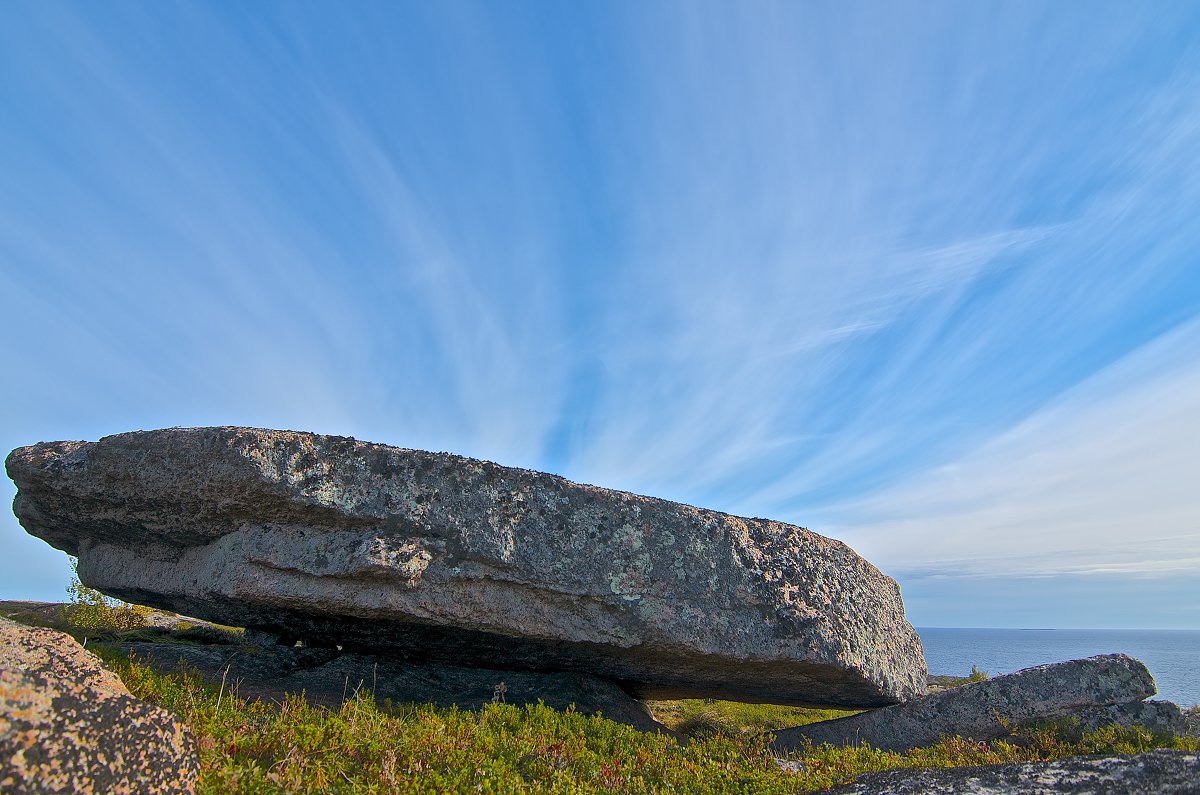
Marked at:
<point>817,263</point>
<point>1100,482</point>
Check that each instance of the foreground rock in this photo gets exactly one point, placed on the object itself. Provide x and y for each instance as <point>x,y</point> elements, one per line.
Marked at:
<point>449,560</point>
<point>1152,773</point>
<point>68,725</point>
<point>328,677</point>
<point>989,710</point>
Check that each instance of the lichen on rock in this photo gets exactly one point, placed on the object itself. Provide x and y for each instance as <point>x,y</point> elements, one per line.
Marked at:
<point>435,557</point>
<point>68,725</point>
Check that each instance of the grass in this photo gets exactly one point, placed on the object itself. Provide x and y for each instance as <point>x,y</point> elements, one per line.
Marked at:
<point>709,717</point>
<point>252,747</point>
<point>364,747</point>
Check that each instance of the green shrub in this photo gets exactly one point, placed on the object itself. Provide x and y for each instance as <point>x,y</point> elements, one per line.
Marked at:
<point>978,675</point>
<point>92,612</point>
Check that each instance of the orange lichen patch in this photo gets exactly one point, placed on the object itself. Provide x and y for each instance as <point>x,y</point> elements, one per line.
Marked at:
<point>67,724</point>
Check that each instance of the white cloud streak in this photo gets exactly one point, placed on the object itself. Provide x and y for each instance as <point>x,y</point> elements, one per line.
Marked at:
<point>828,264</point>
<point>1103,481</point>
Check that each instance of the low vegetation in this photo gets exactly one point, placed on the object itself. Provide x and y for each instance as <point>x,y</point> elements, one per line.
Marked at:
<point>90,616</point>
<point>937,683</point>
<point>700,718</point>
<point>366,747</point>
<point>92,611</point>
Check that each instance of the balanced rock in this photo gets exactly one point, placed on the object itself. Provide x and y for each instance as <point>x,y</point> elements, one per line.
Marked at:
<point>1159,772</point>
<point>438,558</point>
<point>990,709</point>
<point>68,725</point>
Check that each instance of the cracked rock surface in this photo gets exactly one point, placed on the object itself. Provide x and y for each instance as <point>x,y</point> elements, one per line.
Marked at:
<point>435,558</point>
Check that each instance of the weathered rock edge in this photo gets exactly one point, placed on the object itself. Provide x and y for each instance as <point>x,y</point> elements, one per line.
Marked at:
<point>446,559</point>
<point>1161,772</point>
<point>987,710</point>
<point>327,677</point>
<point>68,725</point>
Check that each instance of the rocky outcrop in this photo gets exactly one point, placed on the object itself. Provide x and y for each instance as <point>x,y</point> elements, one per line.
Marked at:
<point>1152,773</point>
<point>990,709</point>
<point>440,559</point>
<point>68,725</point>
<point>328,677</point>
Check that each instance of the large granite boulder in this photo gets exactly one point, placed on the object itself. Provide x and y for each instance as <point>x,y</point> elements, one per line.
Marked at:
<point>68,725</point>
<point>990,709</point>
<point>328,677</point>
<point>439,558</point>
<point>1152,773</point>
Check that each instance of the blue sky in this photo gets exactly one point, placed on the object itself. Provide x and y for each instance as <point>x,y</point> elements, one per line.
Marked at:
<point>922,277</point>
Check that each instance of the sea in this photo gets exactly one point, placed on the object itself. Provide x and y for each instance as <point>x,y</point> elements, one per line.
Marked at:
<point>1173,656</point>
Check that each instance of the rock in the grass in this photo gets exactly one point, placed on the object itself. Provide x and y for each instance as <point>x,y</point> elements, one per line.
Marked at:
<point>1157,717</point>
<point>985,710</point>
<point>1191,721</point>
<point>1153,773</point>
<point>445,559</point>
<point>328,677</point>
<point>68,725</point>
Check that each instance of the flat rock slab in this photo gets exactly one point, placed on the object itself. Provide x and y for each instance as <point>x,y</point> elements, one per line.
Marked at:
<point>68,725</point>
<point>450,560</point>
<point>985,710</point>
<point>327,678</point>
<point>1152,773</point>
